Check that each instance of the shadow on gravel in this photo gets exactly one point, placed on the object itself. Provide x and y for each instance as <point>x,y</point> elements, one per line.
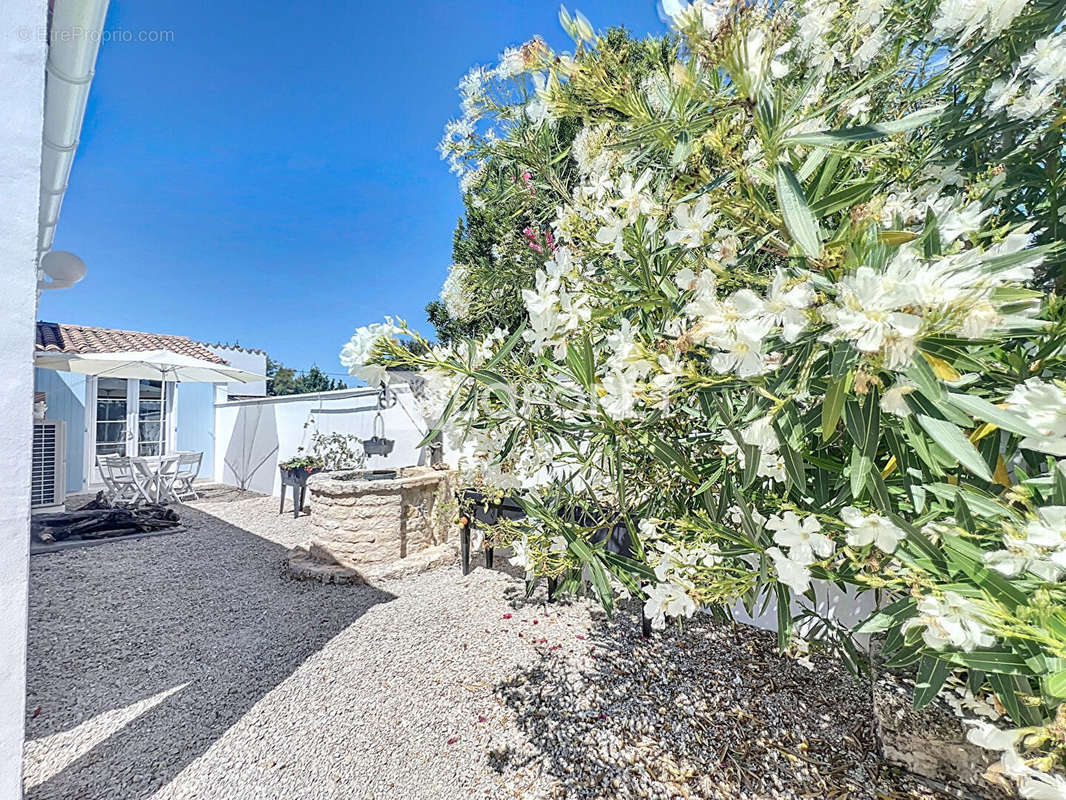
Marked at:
<point>708,711</point>
<point>208,610</point>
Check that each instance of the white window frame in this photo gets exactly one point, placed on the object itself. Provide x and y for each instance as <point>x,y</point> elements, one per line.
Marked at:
<point>90,480</point>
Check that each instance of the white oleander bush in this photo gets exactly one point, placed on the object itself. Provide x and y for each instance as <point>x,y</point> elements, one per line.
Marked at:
<point>777,291</point>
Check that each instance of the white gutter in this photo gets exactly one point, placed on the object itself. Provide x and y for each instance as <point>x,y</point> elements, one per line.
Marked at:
<point>75,31</point>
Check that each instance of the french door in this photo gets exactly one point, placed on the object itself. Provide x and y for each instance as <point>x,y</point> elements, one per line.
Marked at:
<point>129,418</point>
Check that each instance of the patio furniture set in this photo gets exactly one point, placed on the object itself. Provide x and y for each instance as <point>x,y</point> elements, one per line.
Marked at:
<point>157,480</point>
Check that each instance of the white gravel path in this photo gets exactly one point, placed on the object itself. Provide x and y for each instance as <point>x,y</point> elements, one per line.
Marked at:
<point>188,666</point>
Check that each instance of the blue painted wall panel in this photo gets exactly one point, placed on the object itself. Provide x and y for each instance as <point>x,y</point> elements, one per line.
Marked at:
<point>66,401</point>
<point>196,422</point>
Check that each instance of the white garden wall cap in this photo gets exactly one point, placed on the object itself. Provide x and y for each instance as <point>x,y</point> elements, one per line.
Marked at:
<point>336,394</point>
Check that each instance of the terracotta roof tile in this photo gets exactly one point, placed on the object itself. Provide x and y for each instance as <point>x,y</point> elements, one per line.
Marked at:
<point>58,337</point>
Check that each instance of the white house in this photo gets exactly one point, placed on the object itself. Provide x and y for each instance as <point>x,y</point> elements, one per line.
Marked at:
<point>88,416</point>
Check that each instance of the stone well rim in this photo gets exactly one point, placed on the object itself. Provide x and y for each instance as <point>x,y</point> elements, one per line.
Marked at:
<point>342,482</point>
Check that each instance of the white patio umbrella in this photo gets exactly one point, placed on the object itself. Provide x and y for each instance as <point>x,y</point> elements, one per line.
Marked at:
<point>153,365</point>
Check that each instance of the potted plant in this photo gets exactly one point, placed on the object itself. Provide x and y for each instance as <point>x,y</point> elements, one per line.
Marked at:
<point>299,468</point>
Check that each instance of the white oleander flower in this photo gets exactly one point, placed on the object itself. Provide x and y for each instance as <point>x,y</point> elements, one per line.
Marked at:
<point>633,199</point>
<point>966,18</point>
<point>356,354</point>
<point>693,222</point>
<point>620,393</point>
<point>950,621</point>
<point>1038,785</point>
<point>786,308</point>
<point>667,600</point>
<point>685,280</point>
<point>868,315</point>
<point>1039,548</point>
<point>522,557</point>
<point>954,221</point>
<point>858,106</point>
<point>611,232</point>
<point>894,400</point>
<point>512,63</point>
<point>454,293</point>
<point>866,529</point>
<point>538,109</point>
<point>589,150</point>
<point>708,14</point>
<point>990,737</point>
<point>725,247</point>
<point>790,572</point>
<point>802,538</point>
<point>740,351</point>
<point>1043,406</point>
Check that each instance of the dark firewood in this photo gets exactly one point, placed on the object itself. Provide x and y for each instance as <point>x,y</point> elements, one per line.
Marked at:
<point>96,523</point>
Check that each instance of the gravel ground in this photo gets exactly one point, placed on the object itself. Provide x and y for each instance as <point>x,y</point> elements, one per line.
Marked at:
<point>188,666</point>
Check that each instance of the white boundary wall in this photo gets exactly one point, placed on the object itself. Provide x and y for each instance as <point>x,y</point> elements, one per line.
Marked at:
<point>253,436</point>
<point>22,71</point>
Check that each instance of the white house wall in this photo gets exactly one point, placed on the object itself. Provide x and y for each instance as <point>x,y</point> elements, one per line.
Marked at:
<point>22,71</point>
<point>253,436</point>
<point>247,360</point>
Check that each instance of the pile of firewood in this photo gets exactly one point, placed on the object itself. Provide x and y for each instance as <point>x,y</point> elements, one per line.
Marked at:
<point>100,519</point>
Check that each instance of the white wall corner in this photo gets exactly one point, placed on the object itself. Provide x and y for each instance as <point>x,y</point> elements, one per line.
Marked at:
<point>23,53</point>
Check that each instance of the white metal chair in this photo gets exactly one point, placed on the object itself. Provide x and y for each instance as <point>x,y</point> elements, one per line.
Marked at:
<point>187,470</point>
<point>120,479</point>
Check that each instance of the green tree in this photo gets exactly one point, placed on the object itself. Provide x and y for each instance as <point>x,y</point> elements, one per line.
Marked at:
<point>282,380</point>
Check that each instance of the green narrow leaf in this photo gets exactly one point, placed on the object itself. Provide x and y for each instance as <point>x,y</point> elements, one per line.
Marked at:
<point>922,374</point>
<point>435,431</point>
<point>932,672</point>
<point>963,516</point>
<point>845,198</point>
<point>508,346</point>
<point>752,458</point>
<point>800,222</point>
<point>581,363</point>
<point>843,358</point>
<point>862,133</point>
<point>1056,684</point>
<point>671,457</point>
<point>951,439</point>
<point>891,615</point>
<point>879,491</point>
<point>986,412</point>
<point>784,618</point>
<point>1010,689</point>
<point>833,406</point>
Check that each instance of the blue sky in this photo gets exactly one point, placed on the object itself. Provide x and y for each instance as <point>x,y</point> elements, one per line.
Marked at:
<point>269,176</point>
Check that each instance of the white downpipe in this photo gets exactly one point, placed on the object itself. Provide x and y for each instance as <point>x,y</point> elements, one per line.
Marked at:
<point>75,31</point>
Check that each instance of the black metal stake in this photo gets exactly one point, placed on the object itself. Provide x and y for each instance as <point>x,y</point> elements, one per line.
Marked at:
<point>464,544</point>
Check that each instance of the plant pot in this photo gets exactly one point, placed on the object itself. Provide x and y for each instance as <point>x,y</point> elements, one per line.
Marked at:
<point>297,476</point>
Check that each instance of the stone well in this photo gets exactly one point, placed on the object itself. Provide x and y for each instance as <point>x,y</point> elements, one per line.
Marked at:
<point>365,530</point>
